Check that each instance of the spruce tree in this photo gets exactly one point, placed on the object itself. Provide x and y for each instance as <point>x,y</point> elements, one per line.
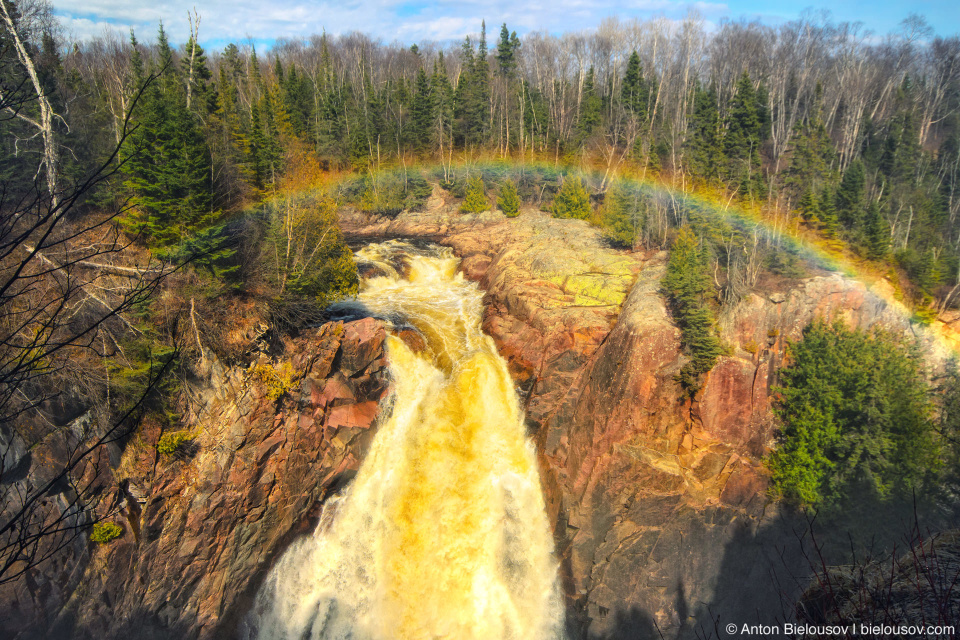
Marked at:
<point>507,47</point>
<point>509,201</point>
<point>850,195</point>
<point>809,206</point>
<point>167,160</point>
<point>591,108</point>
<point>635,92</point>
<point>876,233</point>
<point>741,144</point>
<point>441,95</point>
<point>623,216</point>
<point>828,212</point>
<point>705,143</point>
<point>422,112</point>
<point>856,414</point>
<point>689,289</point>
<point>572,201</point>
<point>202,98</point>
<point>475,200</point>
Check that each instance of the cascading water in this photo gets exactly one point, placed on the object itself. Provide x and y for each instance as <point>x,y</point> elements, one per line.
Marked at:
<point>443,533</point>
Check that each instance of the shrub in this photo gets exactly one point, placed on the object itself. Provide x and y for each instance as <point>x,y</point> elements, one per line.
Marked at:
<point>278,380</point>
<point>104,532</point>
<point>572,201</point>
<point>623,216</point>
<point>509,200</point>
<point>304,254</point>
<point>855,411</point>
<point>170,443</point>
<point>475,200</point>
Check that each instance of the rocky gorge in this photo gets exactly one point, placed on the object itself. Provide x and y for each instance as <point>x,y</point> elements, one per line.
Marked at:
<point>659,504</point>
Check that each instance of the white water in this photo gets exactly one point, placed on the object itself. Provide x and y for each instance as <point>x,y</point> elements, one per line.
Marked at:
<point>443,533</point>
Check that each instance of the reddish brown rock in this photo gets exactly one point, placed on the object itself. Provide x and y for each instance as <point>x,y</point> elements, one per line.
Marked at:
<point>659,505</point>
<point>212,523</point>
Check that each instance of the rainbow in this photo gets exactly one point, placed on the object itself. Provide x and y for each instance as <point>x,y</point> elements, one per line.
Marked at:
<point>701,206</point>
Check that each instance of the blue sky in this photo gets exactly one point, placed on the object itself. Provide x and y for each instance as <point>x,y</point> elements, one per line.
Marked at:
<point>410,21</point>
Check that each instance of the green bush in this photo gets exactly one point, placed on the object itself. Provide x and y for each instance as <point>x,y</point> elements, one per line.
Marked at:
<point>572,201</point>
<point>278,380</point>
<point>509,200</point>
<point>475,200</point>
<point>855,413</point>
<point>104,532</point>
<point>624,214</point>
<point>170,443</point>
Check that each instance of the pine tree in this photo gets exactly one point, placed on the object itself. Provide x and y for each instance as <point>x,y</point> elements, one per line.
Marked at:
<point>475,200</point>
<point>572,201</point>
<point>509,201</point>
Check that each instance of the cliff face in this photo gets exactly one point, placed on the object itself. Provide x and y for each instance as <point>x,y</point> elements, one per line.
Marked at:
<point>659,504</point>
<point>202,529</point>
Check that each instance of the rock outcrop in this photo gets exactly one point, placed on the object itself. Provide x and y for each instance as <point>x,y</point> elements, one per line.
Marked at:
<point>202,526</point>
<point>659,504</point>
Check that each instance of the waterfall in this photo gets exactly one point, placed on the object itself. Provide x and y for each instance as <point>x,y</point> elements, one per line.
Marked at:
<point>443,533</point>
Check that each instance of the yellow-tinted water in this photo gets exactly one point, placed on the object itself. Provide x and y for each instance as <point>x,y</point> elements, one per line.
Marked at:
<point>443,533</point>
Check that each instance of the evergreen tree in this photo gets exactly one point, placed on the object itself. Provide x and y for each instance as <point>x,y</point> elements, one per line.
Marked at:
<point>572,201</point>
<point>481,78</point>
<point>422,115</point>
<point>876,233</point>
<point>442,100</point>
<point>201,98</point>
<point>635,92</point>
<point>591,108</point>
<point>509,201</point>
<point>705,143</point>
<point>623,216</point>
<point>507,47</point>
<point>813,154</point>
<point>850,195</point>
<point>828,212</point>
<point>167,160</point>
<point>809,206</point>
<point>475,200</point>
<point>741,145</point>
<point>855,413</point>
<point>689,289</point>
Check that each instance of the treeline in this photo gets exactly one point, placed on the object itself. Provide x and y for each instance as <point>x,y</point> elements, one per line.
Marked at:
<point>858,136</point>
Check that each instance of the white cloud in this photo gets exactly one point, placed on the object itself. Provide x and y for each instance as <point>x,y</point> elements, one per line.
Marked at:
<point>409,20</point>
